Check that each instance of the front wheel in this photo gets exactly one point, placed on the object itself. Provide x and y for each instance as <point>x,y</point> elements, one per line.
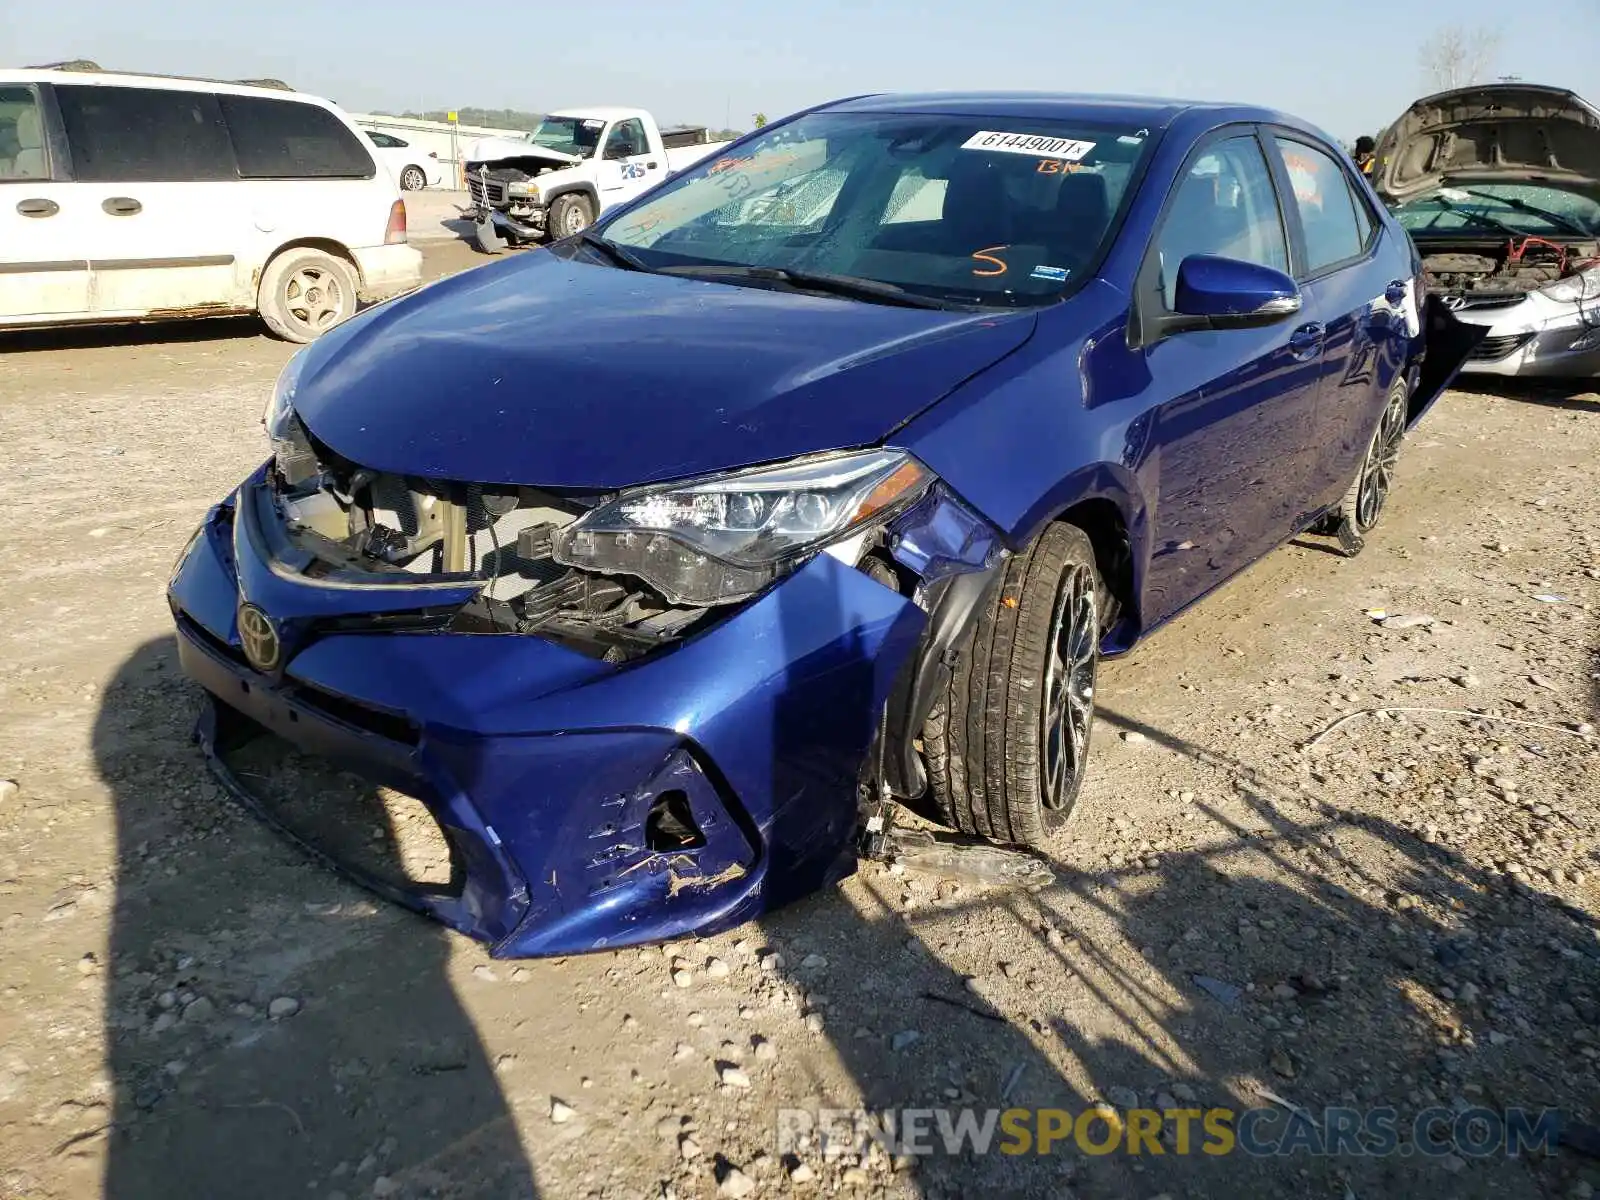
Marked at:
<point>1363,504</point>
<point>1008,744</point>
<point>412,179</point>
<point>570,214</point>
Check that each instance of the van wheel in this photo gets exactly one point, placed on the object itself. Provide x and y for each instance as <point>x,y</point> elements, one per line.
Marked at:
<point>413,180</point>
<point>305,293</point>
<point>1007,745</point>
<point>570,214</point>
<point>1363,504</point>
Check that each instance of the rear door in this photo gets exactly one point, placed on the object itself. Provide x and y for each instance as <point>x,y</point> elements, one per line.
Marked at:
<point>44,268</point>
<point>159,192</point>
<point>1335,236</point>
<point>629,164</point>
<point>1230,436</point>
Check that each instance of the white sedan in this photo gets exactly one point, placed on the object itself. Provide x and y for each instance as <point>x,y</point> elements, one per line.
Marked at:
<point>412,167</point>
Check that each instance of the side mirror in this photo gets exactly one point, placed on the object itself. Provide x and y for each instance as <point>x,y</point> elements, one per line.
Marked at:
<point>1227,293</point>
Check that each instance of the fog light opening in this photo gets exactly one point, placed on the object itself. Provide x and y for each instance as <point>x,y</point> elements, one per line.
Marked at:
<point>670,824</point>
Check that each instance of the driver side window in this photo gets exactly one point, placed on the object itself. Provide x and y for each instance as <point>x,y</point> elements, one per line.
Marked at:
<point>1226,205</point>
<point>626,140</point>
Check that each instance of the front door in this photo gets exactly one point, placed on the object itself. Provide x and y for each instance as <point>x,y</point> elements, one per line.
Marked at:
<point>163,218</point>
<point>628,166</point>
<point>44,269</point>
<point>1229,448</point>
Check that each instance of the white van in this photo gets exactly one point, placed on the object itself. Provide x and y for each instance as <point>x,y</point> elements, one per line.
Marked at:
<point>129,197</point>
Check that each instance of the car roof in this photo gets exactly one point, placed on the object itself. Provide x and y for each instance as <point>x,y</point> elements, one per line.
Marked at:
<point>175,83</point>
<point>599,112</point>
<point>1139,112</point>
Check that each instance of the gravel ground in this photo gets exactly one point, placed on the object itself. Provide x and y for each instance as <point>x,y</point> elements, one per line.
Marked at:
<point>1403,914</point>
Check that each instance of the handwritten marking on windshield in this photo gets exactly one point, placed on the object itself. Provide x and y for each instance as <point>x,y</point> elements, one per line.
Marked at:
<point>987,255</point>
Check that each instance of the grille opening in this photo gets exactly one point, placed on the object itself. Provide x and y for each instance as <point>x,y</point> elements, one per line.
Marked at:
<point>378,831</point>
<point>670,824</point>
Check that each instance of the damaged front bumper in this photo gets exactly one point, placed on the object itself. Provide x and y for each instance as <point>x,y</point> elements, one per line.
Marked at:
<point>1535,337</point>
<point>586,803</point>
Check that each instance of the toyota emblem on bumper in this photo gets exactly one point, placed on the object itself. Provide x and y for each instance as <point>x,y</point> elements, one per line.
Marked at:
<point>259,638</point>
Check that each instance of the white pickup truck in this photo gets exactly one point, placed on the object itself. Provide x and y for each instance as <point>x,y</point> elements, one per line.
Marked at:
<point>575,165</point>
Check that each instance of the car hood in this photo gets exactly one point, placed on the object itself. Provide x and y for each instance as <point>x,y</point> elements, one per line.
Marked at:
<point>496,149</point>
<point>1501,133</point>
<point>545,371</point>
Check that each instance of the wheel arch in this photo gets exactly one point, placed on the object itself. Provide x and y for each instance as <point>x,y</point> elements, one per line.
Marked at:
<point>327,245</point>
<point>566,189</point>
<point>1106,502</point>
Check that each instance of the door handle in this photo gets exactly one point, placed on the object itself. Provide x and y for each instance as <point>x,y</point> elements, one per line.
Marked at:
<point>38,207</point>
<point>1395,292</point>
<point>1306,341</point>
<point>652,164</point>
<point>121,206</point>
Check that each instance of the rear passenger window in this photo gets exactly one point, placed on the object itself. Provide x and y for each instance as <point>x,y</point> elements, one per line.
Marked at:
<point>144,135</point>
<point>1327,209</point>
<point>287,139</point>
<point>21,136</point>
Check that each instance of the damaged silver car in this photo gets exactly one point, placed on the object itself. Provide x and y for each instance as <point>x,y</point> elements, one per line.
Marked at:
<point>1499,187</point>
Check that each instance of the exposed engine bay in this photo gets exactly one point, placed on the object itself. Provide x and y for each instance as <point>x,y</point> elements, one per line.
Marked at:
<point>1483,270</point>
<point>352,520</point>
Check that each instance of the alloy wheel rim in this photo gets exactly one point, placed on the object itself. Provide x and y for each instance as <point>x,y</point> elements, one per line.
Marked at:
<point>1069,687</point>
<point>314,298</point>
<point>1377,473</point>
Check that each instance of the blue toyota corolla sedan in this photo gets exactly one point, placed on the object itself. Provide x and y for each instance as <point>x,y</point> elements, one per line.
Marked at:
<point>652,564</point>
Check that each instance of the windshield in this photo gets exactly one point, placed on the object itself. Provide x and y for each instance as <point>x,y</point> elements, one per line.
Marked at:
<point>994,211</point>
<point>1496,208</point>
<point>577,136</point>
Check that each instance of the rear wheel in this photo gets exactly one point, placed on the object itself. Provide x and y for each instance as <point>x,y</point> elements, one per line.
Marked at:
<point>570,214</point>
<point>304,293</point>
<point>1008,744</point>
<point>412,179</point>
<point>1363,504</point>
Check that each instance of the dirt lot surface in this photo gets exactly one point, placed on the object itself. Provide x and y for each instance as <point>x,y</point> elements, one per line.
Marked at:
<point>1408,910</point>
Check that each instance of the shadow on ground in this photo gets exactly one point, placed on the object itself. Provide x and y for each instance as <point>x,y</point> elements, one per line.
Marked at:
<point>370,1067</point>
<point>1326,956</point>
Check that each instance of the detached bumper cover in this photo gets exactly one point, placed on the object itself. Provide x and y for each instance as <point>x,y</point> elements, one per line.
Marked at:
<point>1537,337</point>
<point>541,764</point>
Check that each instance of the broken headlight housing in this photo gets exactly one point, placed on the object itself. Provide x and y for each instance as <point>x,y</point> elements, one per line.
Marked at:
<point>723,538</point>
<point>292,455</point>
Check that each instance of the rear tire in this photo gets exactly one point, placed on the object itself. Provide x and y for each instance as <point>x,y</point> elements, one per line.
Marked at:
<point>305,292</point>
<point>413,179</point>
<point>1362,506</point>
<point>569,214</point>
<point>1007,744</point>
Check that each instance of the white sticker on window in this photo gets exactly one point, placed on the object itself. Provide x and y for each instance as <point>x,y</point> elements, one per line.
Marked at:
<point>1037,145</point>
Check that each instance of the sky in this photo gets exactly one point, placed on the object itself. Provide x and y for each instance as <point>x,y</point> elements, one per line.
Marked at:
<point>1350,67</point>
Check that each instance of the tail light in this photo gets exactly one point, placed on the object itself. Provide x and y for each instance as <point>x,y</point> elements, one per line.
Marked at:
<point>397,224</point>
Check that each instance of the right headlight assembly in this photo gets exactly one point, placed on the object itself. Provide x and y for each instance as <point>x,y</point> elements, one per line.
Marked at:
<point>1585,285</point>
<point>722,538</point>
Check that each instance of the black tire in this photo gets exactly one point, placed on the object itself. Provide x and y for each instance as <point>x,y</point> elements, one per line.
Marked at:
<point>305,292</point>
<point>1362,506</point>
<point>988,743</point>
<point>413,179</point>
<point>569,214</point>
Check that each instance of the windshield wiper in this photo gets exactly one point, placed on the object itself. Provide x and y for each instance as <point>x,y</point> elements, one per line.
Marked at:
<point>626,259</point>
<point>1476,218</point>
<point>850,286</point>
<point>1555,218</point>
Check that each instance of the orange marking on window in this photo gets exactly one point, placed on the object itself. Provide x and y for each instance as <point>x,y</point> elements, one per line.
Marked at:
<point>987,254</point>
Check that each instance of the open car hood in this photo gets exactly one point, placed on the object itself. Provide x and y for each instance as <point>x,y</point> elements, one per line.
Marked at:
<point>494,149</point>
<point>1501,133</point>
